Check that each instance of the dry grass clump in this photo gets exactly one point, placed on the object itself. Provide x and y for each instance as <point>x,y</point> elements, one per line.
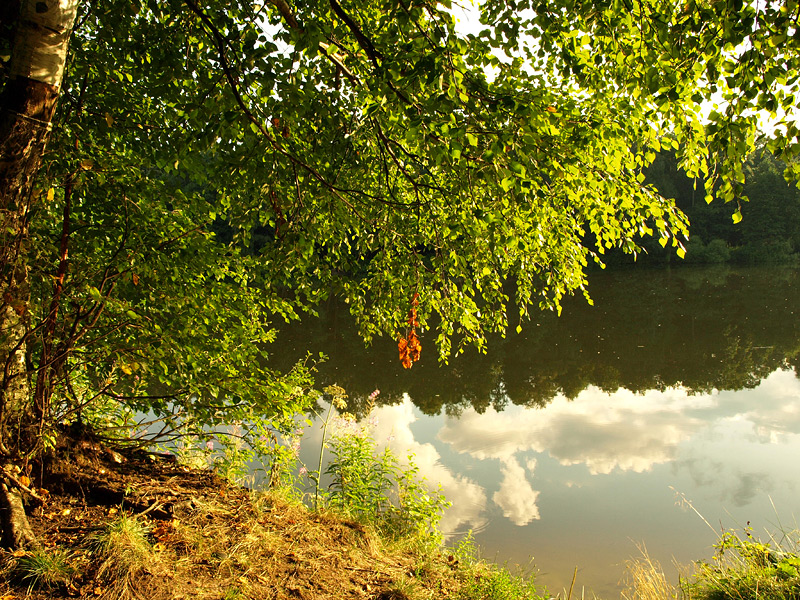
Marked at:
<point>124,560</point>
<point>265,547</point>
<point>645,580</point>
<point>122,547</point>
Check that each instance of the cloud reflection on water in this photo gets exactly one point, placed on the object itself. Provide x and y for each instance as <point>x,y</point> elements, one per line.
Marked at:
<point>602,431</point>
<point>724,441</point>
<point>516,496</point>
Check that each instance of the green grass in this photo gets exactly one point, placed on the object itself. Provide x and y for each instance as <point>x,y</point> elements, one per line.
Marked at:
<point>122,552</point>
<point>480,580</point>
<point>45,569</point>
<point>743,568</point>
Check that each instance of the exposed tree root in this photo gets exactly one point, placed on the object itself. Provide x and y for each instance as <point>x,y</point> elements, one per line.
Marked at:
<point>17,532</point>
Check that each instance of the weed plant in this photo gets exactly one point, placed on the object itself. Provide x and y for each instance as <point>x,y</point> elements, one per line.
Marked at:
<point>481,580</point>
<point>745,567</point>
<point>374,487</point>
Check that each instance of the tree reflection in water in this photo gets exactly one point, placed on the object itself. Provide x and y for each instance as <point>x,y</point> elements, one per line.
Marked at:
<point>700,328</point>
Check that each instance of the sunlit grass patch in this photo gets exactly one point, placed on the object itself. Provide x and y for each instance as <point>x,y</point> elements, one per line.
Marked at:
<point>122,548</point>
<point>123,556</point>
<point>45,568</point>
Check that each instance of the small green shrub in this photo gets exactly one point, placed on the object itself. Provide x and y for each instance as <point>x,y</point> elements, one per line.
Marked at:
<point>717,252</point>
<point>481,581</point>
<point>695,250</point>
<point>713,253</point>
<point>373,486</point>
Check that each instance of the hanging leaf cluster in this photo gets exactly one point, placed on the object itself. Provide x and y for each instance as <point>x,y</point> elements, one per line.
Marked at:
<point>409,345</point>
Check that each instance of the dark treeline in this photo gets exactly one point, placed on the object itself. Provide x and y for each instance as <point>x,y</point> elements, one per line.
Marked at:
<point>702,328</point>
<point>769,231</point>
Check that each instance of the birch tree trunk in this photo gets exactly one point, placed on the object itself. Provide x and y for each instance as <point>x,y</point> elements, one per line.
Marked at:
<point>27,103</point>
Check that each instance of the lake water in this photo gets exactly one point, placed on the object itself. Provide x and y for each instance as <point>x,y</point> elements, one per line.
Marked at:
<point>583,437</point>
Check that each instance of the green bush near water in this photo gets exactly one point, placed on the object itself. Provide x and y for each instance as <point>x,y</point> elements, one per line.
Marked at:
<point>715,252</point>
<point>746,568</point>
<point>775,253</point>
<point>743,568</point>
<point>375,487</point>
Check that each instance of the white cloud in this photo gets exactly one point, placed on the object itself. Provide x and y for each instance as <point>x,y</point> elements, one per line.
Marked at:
<point>773,407</point>
<point>516,496</point>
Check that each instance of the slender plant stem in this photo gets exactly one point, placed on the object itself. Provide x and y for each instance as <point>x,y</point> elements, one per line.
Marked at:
<point>321,452</point>
<point>571,585</point>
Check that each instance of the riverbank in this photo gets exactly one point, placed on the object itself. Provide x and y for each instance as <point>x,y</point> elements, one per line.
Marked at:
<point>140,525</point>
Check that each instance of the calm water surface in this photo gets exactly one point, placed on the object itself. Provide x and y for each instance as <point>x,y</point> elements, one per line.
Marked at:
<point>584,436</point>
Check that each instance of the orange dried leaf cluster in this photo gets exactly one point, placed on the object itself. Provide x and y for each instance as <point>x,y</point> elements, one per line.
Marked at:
<point>410,346</point>
<point>410,349</point>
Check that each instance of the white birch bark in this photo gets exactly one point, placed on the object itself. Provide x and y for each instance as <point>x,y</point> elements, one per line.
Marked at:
<point>42,38</point>
<point>27,103</point>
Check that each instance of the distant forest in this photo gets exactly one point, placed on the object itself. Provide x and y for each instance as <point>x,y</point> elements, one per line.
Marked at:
<point>768,233</point>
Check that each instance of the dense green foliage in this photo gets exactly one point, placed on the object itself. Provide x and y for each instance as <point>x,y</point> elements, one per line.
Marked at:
<point>214,168</point>
<point>769,206</point>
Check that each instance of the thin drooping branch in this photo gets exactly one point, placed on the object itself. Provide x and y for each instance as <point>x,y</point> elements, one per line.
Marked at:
<point>286,11</point>
<point>366,44</point>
